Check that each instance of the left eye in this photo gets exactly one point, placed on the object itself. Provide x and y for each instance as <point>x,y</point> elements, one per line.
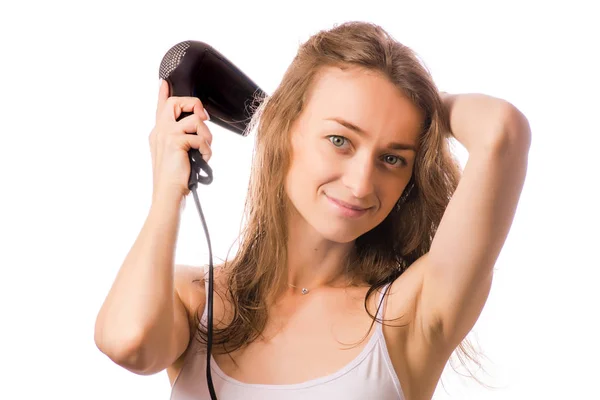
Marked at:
<point>337,141</point>
<point>392,159</point>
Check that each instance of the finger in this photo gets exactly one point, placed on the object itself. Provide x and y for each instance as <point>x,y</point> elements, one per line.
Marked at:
<point>181,104</point>
<point>203,131</point>
<point>163,95</point>
<point>193,124</point>
<point>204,148</point>
<point>197,142</point>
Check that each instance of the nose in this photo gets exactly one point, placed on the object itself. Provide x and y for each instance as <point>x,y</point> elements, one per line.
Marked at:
<point>359,177</point>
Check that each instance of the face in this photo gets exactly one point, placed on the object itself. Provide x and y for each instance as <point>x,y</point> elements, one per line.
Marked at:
<point>353,151</point>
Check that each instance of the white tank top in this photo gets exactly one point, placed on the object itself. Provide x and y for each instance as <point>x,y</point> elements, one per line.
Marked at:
<point>369,376</point>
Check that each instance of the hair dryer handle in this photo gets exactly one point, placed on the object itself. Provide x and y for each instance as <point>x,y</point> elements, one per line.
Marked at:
<point>197,164</point>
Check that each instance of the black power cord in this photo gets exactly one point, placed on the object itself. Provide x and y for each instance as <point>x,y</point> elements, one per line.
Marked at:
<point>197,164</point>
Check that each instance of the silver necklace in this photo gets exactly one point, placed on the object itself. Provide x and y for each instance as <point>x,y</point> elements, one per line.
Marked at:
<point>304,290</point>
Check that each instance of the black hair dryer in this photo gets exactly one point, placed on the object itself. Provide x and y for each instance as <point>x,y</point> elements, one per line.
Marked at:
<point>196,69</point>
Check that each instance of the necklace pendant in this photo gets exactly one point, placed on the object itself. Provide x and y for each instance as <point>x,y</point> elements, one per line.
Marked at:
<point>304,290</point>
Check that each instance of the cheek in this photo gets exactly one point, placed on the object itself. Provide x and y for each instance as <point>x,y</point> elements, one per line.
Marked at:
<point>301,179</point>
<point>311,166</point>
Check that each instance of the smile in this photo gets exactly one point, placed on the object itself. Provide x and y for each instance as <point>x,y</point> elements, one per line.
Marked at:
<point>345,209</point>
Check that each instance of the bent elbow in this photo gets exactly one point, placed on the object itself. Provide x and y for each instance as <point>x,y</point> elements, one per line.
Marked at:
<point>127,352</point>
<point>515,138</point>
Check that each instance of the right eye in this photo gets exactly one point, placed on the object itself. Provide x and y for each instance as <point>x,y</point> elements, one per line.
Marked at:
<point>337,141</point>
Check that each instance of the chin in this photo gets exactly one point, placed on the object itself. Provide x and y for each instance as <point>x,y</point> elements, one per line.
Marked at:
<point>337,233</point>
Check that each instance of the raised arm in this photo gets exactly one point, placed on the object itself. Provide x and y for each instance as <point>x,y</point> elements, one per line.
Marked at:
<point>457,271</point>
<point>144,323</point>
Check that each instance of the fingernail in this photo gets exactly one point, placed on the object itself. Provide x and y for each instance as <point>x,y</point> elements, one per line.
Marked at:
<point>207,116</point>
<point>160,81</point>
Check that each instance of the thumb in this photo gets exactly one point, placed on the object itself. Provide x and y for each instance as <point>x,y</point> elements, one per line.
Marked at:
<point>163,94</point>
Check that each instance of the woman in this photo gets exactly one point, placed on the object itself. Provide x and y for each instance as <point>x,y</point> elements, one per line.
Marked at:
<point>364,262</point>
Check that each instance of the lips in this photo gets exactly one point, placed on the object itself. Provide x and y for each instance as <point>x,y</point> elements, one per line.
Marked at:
<point>347,209</point>
<point>348,205</point>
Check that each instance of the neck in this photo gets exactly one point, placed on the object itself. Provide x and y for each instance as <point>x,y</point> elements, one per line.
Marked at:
<point>314,261</point>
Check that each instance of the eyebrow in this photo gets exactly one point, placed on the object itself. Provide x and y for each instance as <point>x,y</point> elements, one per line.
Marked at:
<point>360,131</point>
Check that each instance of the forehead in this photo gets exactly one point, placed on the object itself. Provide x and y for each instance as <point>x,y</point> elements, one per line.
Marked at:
<point>365,98</point>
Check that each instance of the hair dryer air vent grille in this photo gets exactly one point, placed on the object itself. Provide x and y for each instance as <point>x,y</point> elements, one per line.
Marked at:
<point>171,60</point>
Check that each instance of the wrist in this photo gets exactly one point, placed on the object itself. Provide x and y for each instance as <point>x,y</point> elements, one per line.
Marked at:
<point>169,198</point>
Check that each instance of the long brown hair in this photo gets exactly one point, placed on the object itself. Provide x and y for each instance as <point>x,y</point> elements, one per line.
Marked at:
<point>257,271</point>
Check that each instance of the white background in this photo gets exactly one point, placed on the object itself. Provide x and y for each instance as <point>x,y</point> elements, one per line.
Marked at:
<point>78,94</point>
